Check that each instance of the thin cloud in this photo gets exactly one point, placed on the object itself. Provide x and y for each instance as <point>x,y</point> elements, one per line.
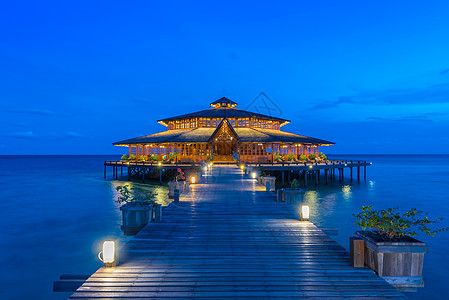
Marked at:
<point>438,93</point>
<point>40,112</point>
<point>27,135</point>
<point>72,134</point>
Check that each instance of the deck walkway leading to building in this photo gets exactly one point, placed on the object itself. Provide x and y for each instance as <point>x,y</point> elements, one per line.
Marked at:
<point>229,239</point>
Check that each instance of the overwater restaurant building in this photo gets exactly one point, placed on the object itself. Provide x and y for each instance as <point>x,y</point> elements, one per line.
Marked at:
<point>223,133</point>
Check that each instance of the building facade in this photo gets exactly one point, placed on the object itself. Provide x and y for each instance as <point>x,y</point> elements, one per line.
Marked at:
<point>223,133</point>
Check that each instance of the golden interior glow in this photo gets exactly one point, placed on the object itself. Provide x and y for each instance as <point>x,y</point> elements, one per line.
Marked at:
<point>159,164</point>
<point>253,175</point>
<point>192,179</point>
<point>241,167</point>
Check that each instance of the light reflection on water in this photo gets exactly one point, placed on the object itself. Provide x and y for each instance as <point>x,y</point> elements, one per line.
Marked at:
<point>64,211</point>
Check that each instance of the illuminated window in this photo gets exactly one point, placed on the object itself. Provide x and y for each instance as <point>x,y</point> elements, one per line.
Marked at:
<point>232,121</point>
<point>193,124</point>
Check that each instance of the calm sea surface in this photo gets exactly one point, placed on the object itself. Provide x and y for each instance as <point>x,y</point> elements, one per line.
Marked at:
<point>56,210</point>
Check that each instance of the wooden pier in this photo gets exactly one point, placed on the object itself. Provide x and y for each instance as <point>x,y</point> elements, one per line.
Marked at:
<point>327,170</point>
<point>229,239</point>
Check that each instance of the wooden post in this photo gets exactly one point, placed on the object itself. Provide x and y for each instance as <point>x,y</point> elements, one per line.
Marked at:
<point>113,171</point>
<point>317,176</point>
<point>351,172</point>
<point>160,176</point>
<point>121,170</point>
<point>116,172</point>
<point>143,175</point>
<point>176,195</point>
<point>364,173</point>
<point>305,178</point>
<point>283,178</point>
<point>288,176</point>
<point>358,172</point>
<point>357,252</point>
<point>104,171</point>
<point>157,208</point>
<point>325,174</point>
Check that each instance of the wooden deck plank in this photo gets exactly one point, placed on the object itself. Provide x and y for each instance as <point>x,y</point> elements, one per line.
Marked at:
<point>229,239</point>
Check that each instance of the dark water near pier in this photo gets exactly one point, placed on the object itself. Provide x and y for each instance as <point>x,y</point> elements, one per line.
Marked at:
<point>55,211</point>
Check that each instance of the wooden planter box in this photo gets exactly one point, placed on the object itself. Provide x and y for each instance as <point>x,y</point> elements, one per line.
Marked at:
<point>399,263</point>
<point>271,179</point>
<point>135,218</point>
<point>293,196</point>
<point>175,185</point>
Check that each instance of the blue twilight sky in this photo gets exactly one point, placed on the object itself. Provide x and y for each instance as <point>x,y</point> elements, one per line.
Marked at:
<point>372,76</point>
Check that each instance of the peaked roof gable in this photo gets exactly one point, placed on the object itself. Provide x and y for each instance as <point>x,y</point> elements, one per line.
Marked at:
<point>224,132</point>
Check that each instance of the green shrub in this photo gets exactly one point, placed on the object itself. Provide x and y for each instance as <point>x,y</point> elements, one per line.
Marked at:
<point>134,196</point>
<point>132,157</point>
<point>142,158</point>
<point>295,184</point>
<point>290,157</point>
<point>392,224</point>
<point>323,156</point>
<point>124,157</point>
<point>303,157</point>
<point>312,156</point>
<point>172,156</point>
<point>154,157</point>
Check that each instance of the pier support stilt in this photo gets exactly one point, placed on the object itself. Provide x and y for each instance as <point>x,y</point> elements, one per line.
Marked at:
<point>116,172</point>
<point>351,172</point>
<point>160,176</point>
<point>104,172</point>
<point>364,172</point>
<point>283,178</point>
<point>143,175</point>
<point>358,173</point>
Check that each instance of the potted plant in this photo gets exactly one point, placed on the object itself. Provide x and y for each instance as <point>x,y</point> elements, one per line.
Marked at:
<point>142,158</point>
<point>278,158</point>
<point>172,157</point>
<point>124,158</point>
<point>132,157</point>
<point>267,178</point>
<point>323,156</point>
<point>178,183</point>
<point>137,208</point>
<point>390,247</point>
<point>290,157</point>
<point>294,194</point>
<point>154,158</point>
<point>312,156</point>
<point>303,157</point>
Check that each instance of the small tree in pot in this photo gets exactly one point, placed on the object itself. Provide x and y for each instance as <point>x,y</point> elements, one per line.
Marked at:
<point>177,184</point>
<point>390,247</point>
<point>137,208</point>
<point>294,194</point>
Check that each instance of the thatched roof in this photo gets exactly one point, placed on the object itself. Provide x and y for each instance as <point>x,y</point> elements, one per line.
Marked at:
<point>202,135</point>
<point>223,112</point>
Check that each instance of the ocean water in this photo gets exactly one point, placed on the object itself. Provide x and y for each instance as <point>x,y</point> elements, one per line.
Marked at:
<point>56,210</point>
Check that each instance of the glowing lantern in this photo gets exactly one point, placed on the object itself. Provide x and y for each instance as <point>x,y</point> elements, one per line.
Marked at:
<point>159,164</point>
<point>242,167</point>
<point>305,212</point>
<point>192,179</point>
<point>109,253</point>
<point>253,175</point>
